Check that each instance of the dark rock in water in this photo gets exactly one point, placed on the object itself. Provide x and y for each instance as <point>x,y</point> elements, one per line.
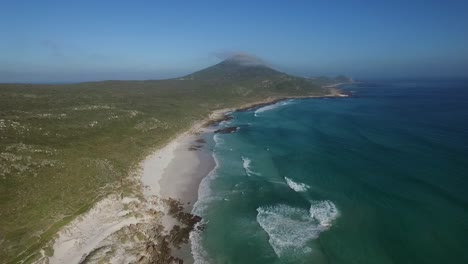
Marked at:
<point>226,130</point>
<point>227,118</point>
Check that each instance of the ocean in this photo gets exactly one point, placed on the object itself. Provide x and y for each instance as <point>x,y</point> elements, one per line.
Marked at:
<point>379,177</point>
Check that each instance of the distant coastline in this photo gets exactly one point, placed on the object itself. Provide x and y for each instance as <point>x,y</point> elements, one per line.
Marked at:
<point>220,115</point>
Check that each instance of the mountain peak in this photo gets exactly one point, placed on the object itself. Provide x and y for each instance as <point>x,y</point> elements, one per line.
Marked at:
<point>238,66</point>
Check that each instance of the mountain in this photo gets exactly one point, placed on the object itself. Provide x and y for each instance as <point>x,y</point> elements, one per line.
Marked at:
<point>255,76</point>
<point>238,67</point>
<point>248,75</point>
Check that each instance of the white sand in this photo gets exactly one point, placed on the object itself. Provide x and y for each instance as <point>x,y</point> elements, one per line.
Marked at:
<point>154,166</point>
<point>176,168</point>
<point>183,174</point>
<point>89,231</point>
<point>85,233</point>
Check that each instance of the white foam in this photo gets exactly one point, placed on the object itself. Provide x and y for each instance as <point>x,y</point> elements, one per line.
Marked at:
<point>218,140</point>
<point>199,254</point>
<point>200,207</point>
<point>296,186</point>
<point>290,228</point>
<point>224,123</point>
<point>271,107</point>
<point>205,196</point>
<point>246,163</point>
<point>324,212</point>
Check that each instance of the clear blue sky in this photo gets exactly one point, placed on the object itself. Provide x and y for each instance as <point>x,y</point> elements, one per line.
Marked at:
<point>56,41</point>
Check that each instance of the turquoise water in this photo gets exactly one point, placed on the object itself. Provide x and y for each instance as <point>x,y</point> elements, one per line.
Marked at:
<point>380,177</point>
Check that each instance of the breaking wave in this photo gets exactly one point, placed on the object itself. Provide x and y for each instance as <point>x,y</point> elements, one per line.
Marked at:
<point>199,254</point>
<point>246,163</point>
<point>290,228</point>
<point>271,107</point>
<point>218,140</point>
<point>324,212</point>
<point>296,186</point>
<point>205,197</point>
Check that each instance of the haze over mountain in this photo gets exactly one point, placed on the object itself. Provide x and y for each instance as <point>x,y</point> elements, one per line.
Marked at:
<point>239,66</point>
<point>249,73</point>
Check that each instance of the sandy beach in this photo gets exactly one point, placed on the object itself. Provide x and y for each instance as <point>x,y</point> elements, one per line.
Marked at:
<point>171,172</point>
<point>163,168</point>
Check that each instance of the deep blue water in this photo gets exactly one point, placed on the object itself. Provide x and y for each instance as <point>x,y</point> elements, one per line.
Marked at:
<point>380,177</point>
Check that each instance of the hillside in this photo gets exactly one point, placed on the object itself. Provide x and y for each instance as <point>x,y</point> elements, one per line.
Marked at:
<point>239,68</point>
<point>62,147</point>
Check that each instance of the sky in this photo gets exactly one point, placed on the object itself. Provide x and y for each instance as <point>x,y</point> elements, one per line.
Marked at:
<point>70,41</point>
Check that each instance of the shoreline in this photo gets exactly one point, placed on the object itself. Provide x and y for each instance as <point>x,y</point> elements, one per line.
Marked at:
<point>161,176</point>
<point>223,114</point>
<point>209,127</point>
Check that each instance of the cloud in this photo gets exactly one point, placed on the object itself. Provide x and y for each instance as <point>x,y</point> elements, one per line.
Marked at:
<point>241,58</point>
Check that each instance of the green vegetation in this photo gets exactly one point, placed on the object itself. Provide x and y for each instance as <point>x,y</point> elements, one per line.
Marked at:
<point>324,80</point>
<point>63,147</point>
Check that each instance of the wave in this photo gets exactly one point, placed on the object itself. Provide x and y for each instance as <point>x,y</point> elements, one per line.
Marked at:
<point>290,228</point>
<point>324,212</point>
<point>200,256</point>
<point>246,163</point>
<point>296,186</point>
<point>205,197</point>
<point>218,140</point>
<point>271,107</point>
